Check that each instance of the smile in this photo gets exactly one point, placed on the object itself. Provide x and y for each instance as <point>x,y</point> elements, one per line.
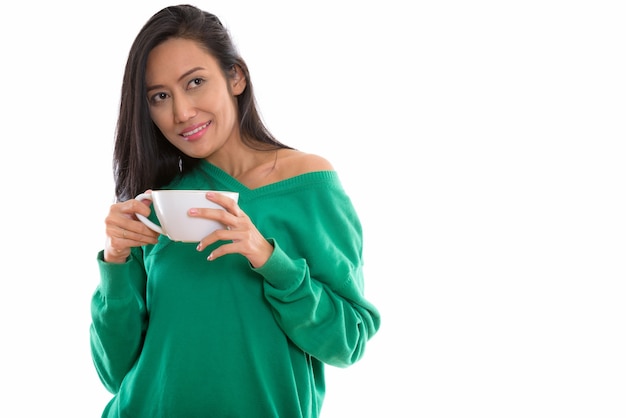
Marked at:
<point>195,131</point>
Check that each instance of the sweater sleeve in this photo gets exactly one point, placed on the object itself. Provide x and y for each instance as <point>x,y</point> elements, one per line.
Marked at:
<point>119,318</point>
<point>316,289</point>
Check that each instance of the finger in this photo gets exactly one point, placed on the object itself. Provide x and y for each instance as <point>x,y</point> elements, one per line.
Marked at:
<point>124,238</point>
<point>140,234</point>
<point>223,250</point>
<point>226,202</point>
<point>125,231</point>
<point>134,206</point>
<point>219,215</point>
<point>252,246</point>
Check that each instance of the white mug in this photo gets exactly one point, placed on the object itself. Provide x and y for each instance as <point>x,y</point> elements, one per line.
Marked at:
<point>171,208</point>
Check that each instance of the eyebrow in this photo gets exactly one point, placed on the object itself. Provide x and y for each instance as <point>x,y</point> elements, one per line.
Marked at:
<point>158,86</point>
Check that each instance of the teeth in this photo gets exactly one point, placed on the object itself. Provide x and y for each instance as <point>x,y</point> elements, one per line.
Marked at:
<point>198,129</point>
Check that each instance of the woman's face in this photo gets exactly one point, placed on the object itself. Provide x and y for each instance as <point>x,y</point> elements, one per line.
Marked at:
<point>190,99</point>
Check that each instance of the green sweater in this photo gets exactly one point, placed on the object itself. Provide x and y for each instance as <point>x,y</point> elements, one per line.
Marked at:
<point>174,335</point>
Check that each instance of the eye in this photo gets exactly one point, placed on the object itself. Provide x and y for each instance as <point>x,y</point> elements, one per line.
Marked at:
<point>196,82</point>
<point>158,97</point>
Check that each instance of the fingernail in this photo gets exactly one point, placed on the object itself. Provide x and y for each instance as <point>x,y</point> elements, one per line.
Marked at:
<point>193,211</point>
<point>210,257</point>
<point>199,247</point>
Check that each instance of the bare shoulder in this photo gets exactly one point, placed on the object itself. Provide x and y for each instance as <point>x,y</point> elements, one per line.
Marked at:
<point>293,163</point>
<point>281,165</point>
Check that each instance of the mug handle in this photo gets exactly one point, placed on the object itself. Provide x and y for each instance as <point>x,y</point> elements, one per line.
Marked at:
<point>147,222</point>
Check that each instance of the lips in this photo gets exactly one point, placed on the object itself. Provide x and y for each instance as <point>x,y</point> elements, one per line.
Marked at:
<point>194,132</point>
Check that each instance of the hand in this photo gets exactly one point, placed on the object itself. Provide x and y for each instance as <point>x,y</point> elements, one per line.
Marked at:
<point>124,231</point>
<point>244,236</point>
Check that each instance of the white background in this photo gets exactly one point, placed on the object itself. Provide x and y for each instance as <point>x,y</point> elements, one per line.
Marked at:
<point>482,143</point>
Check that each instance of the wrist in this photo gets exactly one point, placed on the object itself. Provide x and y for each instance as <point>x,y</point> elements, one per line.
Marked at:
<point>115,259</point>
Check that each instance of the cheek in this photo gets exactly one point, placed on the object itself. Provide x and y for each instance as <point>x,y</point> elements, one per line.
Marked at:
<point>160,120</point>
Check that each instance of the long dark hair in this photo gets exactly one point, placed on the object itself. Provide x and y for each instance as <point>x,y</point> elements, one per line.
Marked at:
<point>143,158</point>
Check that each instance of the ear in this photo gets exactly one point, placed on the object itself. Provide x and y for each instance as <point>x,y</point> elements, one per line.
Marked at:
<point>237,80</point>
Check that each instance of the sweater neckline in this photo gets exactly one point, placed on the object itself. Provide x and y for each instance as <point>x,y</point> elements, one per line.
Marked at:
<point>235,185</point>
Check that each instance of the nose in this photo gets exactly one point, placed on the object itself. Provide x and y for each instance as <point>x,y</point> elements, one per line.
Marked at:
<point>184,109</point>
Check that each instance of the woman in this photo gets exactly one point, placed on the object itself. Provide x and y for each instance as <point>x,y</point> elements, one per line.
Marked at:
<point>241,324</point>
